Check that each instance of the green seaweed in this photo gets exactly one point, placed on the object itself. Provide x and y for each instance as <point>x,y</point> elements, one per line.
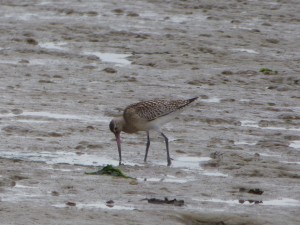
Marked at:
<point>109,170</point>
<point>268,71</point>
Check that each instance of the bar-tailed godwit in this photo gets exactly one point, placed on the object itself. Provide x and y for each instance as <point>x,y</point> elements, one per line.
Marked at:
<point>146,116</point>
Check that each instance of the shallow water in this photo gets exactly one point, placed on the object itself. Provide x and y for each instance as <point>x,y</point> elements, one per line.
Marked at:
<point>251,51</point>
<point>54,45</point>
<point>60,157</point>
<point>212,100</point>
<point>97,205</point>
<point>283,202</point>
<point>295,144</point>
<point>117,59</point>
<point>39,116</point>
<point>244,143</point>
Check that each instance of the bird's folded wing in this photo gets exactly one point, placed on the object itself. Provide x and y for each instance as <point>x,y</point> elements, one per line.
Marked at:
<point>153,109</point>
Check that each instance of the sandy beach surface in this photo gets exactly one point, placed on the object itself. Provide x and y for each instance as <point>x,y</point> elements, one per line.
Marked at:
<point>68,67</point>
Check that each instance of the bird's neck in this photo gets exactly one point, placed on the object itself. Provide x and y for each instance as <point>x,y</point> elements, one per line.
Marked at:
<point>126,127</point>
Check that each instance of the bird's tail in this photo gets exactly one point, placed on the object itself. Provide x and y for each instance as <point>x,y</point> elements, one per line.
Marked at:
<point>192,99</point>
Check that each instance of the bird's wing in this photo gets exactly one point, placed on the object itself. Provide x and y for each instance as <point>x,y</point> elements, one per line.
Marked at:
<point>153,109</point>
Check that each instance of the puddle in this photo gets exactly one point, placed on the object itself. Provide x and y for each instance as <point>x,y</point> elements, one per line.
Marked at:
<point>22,16</point>
<point>11,62</point>
<point>64,116</point>
<point>21,193</point>
<point>282,202</point>
<point>286,202</point>
<point>244,143</point>
<point>230,202</point>
<point>290,162</point>
<point>243,27</point>
<point>60,157</point>
<point>245,100</point>
<point>53,45</point>
<point>251,123</point>
<point>173,179</point>
<point>189,162</point>
<point>185,162</point>
<point>215,174</point>
<point>188,19</point>
<point>168,179</point>
<point>179,19</point>
<point>282,128</point>
<point>16,197</point>
<point>23,186</point>
<point>97,205</point>
<point>32,62</point>
<point>250,51</point>
<point>212,100</point>
<point>63,170</point>
<point>49,115</point>
<point>41,62</point>
<point>269,155</point>
<point>295,144</point>
<point>174,18</point>
<point>32,121</point>
<point>296,109</point>
<point>71,158</point>
<point>118,59</point>
<point>151,15</point>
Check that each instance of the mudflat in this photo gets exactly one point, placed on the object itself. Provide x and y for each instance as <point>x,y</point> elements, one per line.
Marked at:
<point>68,67</point>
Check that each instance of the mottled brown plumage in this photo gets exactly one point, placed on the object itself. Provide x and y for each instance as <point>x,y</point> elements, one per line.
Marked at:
<point>145,116</point>
<point>152,109</point>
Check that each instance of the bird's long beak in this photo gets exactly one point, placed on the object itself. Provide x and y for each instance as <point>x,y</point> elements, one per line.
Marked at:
<point>118,139</point>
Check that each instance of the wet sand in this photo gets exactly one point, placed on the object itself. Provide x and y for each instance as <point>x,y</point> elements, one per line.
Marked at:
<point>67,68</point>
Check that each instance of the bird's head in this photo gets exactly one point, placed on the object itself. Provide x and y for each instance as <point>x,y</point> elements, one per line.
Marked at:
<point>115,126</point>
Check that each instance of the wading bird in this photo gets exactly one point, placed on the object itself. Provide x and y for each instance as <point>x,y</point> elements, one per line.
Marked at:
<point>146,116</point>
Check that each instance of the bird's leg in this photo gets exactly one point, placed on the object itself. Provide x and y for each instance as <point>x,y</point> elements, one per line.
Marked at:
<point>167,146</point>
<point>120,158</point>
<point>147,146</point>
